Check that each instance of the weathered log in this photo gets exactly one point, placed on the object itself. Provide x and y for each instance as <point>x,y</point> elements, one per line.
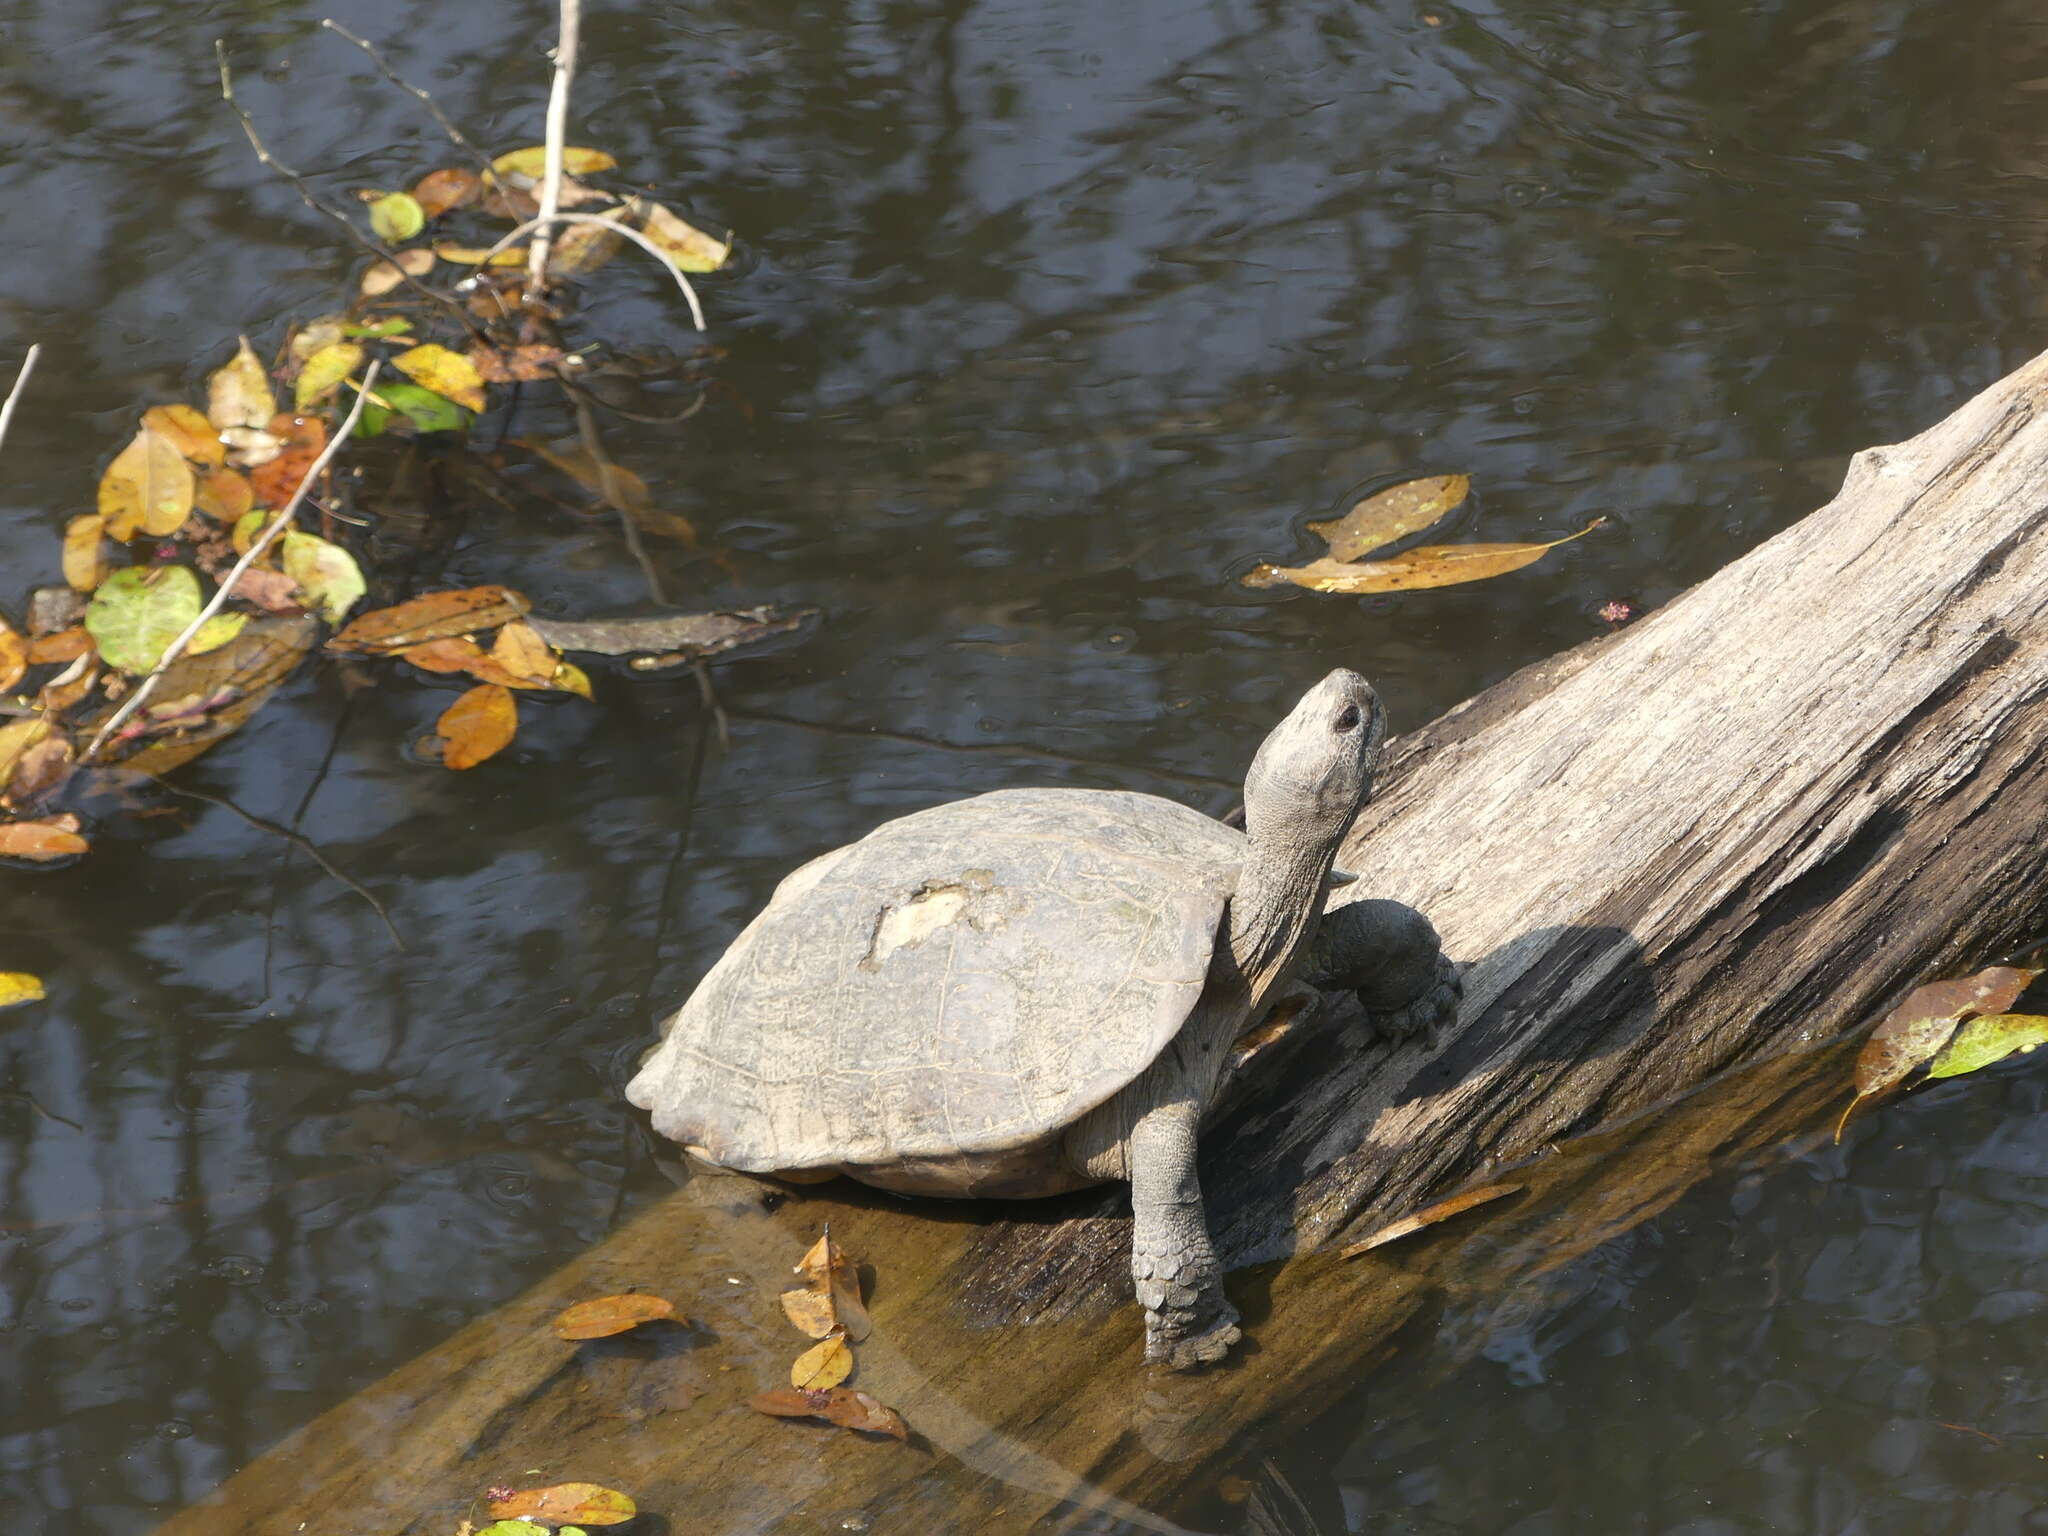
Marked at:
<point>1736,828</point>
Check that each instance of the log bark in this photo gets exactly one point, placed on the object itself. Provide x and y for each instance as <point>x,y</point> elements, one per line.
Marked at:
<point>1732,831</point>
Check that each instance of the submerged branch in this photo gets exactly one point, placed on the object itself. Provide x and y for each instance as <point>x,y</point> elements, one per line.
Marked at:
<point>28,366</point>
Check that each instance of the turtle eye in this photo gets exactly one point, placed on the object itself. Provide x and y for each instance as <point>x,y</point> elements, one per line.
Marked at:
<point>1348,721</point>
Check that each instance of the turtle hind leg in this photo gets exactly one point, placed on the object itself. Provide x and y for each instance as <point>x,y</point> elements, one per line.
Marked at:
<point>1188,1319</point>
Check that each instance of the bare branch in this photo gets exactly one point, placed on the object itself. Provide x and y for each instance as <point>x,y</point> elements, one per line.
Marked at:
<point>28,366</point>
<point>557,130</point>
<point>257,546</point>
<point>632,234</point>
<point>454,133</point>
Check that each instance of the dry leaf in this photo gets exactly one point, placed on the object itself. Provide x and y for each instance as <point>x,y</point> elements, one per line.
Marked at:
<point>208,698</point>
<point>481,256</point>
<point>686,245</point>
<point>437,615</point>
<point>1916,1030</point>
<point>448,374</point>
<point>250,447</point>
<point>523,654</point>
<point>188,431</point>
<point>45,766</point>
<point>272,591</point>
<point>14,654</point>
<point>64,645</point>
<point>225,495</point>
<point>1429,1216</point>
<point>1392,514</point>
<point>384,276</point>
<point>844,1406</point>
<point>830,1275</point>
<point>324,371</point>
<point>147,489</point>
<point>825,1364</point>
<point>238,395</point>
<point>477,726</point>
<point>514,365</point>
<point>1433,565</point>
<point>603,1316</point>
<point>671,639</point>
<point>451,187</point>
<point>65,690</point>
<point>52,837</point>
<point>581,249</point>
<point>534,162</point>
<point>565,1503</point>
<point>18,737</point>
<point>273,484</point>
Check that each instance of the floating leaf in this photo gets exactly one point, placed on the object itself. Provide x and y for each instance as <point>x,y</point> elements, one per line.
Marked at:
<point>64,690</point>
<point>448,374</point>
<point>581,249</point>
<point>534,162</point>
<point>238,395</point>
<point>604,1316</point>
<point>619,486</point>
<point>522,652</point>
<point>18,737</point>
<point>225,495</point>
<point>54,608</point>
<point>1916,1030</point>
<point>585,1503</point>
<point>683,637</point>
<point>14,654</point>
<point>397,325</point>
<point>325,572</point>
<point>1982,1041</point>
<point>147,489</point>
<point>435,616</point>
<point>138,611</point>
<point>514,365</point>
<point>520,1528</point>
<point>384,276</point>
<point>427,411</point>
<point>825,1364</point>
<point>1429,1216</point>
<point>188,431</point>
<point>481,256</point>
<point>1392,514</point>
<point>206,698</point>
<point>324,372</point>
<point>439,191</point>
<point>570,678</point>
<point>316,336</point>
<point>304,437</point>
<point>61,645</point>
<point>1433,565</point>
<point>51,837</point>
<point>272,591</point>
<point>847,1407</point>
<point>686,245</point>
<point>829,1277</point>
<point>397,217</point>
<point>18,987</point>
<point>217,632</point>
<point>250,447</point>
<point>477,726</point>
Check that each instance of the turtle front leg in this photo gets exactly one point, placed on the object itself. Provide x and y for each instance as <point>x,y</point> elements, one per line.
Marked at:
<point>1188,1319</point>
<point>1389,955</point>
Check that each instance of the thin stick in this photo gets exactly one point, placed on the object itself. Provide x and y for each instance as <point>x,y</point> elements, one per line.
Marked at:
<point>632,234</point>
<point>586,430</point>
<point>227,587</point>
<point>375,247</point>
<point>557,131</point>
<point>454,133</point>
<point>28,366</point>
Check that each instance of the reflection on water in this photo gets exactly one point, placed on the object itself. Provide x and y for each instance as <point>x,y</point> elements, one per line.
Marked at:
<point>1054,318</point>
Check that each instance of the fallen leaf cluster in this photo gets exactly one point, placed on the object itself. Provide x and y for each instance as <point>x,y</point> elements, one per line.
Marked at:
<point>1394,514</point>
<point>565,1507</point>
<point>828,1307</point>
<point>1949,1027</point>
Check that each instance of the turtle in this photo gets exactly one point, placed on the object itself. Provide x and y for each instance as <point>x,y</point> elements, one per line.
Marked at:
<point>1029,991</point>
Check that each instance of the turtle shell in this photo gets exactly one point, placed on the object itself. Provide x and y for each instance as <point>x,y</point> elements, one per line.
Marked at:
<point>966,980</point>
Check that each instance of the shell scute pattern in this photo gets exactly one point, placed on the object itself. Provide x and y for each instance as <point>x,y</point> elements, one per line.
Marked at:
<point>970,978</point>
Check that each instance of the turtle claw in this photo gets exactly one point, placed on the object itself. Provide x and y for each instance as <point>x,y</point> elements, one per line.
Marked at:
<point>1437,1006</point>
<point>1178,1350</point>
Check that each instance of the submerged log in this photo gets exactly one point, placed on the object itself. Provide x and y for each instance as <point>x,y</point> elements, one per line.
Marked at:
<point>1738,828</point>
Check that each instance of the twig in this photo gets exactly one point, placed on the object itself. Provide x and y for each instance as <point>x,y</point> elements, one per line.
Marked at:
<point>256,548</point>
<point>632,234</point>
<point>297,840</point>
<point>28,366</point>
<point>375,247</point>
<point>454,133</point>
<point>557,131</point>
<point>586,429</point>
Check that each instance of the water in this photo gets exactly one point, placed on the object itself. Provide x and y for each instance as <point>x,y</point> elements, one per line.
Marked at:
<point>1051,321</point>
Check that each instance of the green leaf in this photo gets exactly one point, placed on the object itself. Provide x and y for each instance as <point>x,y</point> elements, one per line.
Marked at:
<point>138,611</point>
<point>396,326</point>
<point>426,410</point>
<point>521,1528</point>
<point>326,573</point>
<point>397,217</point>
<point>216,632</point>
<point>1983,1041</point>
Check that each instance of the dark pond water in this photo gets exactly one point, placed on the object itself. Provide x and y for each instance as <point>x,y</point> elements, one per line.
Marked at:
<point>1053,318</point>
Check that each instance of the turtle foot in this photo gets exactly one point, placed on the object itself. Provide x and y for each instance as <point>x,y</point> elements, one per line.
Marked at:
<point>1169,1342</point>
<point>1427,1014</point>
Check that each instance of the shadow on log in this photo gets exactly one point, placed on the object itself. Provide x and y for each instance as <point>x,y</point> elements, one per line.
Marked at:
<point>1734,830</point>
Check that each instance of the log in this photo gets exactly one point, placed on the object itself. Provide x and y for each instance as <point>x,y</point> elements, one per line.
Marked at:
<point>1730,832</point>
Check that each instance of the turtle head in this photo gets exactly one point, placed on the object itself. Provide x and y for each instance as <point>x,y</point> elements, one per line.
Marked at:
<point>1315,770</point>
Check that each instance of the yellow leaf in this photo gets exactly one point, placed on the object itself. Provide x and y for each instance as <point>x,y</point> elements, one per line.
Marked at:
<point>238,395</point>
<point>478,255</point>
<point>571,1503</point>
<point>17,738</point>
<point>478,725</point>
<point>1429,1216</point>
<point>1433,565</point>
<point>521,651</point>
<point>14,655</point>
<point>147,489</point>
<point>831,1276</point>
<point>188,430</point>
<point>397,217</point>
<point>19,987</point>
<point>825,1364</point>
<point>324,372</point>
<point>1392,514</point>
<point>53,837</point>
<point>383,276</point>
<point>570,678</point>
<point>448,374</point>
<point>686,245</point>
<point>534,162</point>
<point>224,494</point>
<point>85,551</point>
<point>216,632</point>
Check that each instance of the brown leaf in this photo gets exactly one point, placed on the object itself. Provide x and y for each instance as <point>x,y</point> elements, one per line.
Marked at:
<point>274,483</point>
<point>523,654</point>
<point>459,653</point>
<point>383,276</point>
<point>14,655</point>
<point>53,608</point>
<point>812,1312</point>
<point>450,187</point>
<point>85,552</point>
<point>619,487</point>
<point>272,591</point>
<point>435,616</point>
<point>1915,1031</point>
<point>844,1406</point>
<point>477,726</point>
<point>225,494</point>
<point>17,738</point>
<point>603,1316</point>
<point>829,1273</point>
<point>64,645</point>
<point>238,394</point>
<point>1433,565</point>
<point>71,685</point>
<point>1392,514</point>
<point>41,772</point>
<point>188,431</point>
<point>825,1364</point>
<point>514,365</point>
<point>581,249</point>
<point>52,837</point>
<point>565,1503</point>
<point>671,639</point>
<point>147,489</point>
<point>229,684</point>
<point>1429,1216</point>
